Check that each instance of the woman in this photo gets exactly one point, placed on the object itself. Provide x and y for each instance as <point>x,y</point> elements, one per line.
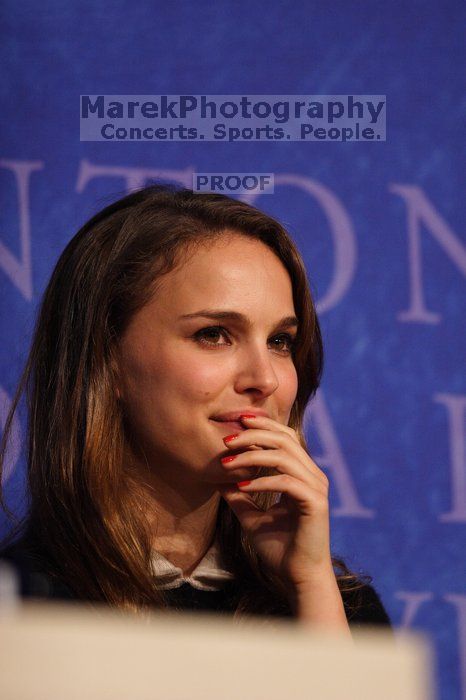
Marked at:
<point>178,330</point>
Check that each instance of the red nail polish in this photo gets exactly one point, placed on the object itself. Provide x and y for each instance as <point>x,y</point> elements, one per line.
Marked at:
<point>229,438</point>
<point>230,458</point>
<point>242,483</point>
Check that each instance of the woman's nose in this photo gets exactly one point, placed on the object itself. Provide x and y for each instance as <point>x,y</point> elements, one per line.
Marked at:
<point>255,371</point>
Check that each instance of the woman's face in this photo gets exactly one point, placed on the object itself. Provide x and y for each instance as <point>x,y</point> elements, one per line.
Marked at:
<point>175,375</point>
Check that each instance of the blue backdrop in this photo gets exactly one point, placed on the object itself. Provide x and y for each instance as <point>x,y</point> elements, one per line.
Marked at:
<point>379,226</point>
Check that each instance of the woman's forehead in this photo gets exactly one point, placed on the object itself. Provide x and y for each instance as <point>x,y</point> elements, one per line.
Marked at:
<point>218,275</point>
<point>245,277</point>
<point>230,257</point>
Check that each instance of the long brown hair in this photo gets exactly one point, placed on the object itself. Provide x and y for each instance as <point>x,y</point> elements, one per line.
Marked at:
<point>92,531</point>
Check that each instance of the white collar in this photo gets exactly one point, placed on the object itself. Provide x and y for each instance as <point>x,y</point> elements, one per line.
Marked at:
<point>209,574</point>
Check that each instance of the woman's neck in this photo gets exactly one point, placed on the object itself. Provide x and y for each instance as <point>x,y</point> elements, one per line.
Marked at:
<point>182,517</point>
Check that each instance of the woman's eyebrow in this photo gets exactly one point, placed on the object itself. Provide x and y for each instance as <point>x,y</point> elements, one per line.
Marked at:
<point>221,315</point>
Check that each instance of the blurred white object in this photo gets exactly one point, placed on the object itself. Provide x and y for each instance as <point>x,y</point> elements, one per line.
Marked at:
<point>51,652</point>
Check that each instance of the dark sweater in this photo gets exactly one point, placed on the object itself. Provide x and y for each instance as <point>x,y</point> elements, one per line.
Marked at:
<point>35,582</point>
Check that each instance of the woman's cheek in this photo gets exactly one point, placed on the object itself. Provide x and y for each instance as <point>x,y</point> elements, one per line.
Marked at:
<point>203,378</point>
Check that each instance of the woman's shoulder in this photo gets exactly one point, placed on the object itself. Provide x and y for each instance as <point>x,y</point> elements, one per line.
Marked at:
<point>33,571</point>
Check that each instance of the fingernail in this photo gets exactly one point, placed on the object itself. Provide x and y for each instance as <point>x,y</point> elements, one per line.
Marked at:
<point>242,483</point>
<point>228,459</point>
<point>229,438</point>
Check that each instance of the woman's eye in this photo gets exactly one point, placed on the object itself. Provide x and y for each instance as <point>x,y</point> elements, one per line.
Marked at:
<point>208,333</point>
<point>287,338</point>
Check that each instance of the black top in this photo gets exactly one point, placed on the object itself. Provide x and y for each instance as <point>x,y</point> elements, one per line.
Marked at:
<point>34,582</point>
